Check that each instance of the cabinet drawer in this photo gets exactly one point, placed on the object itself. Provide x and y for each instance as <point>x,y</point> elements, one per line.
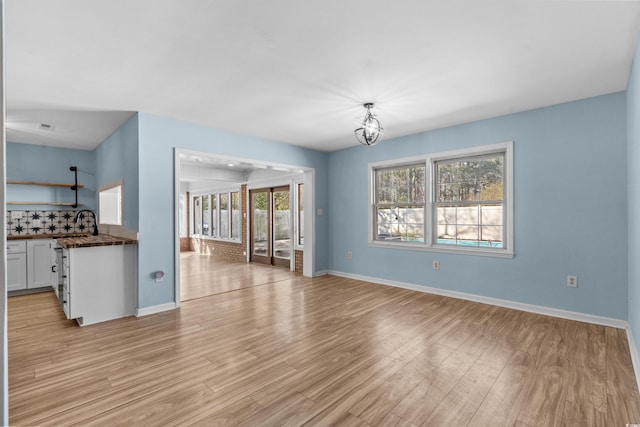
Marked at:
<point>16,246</point>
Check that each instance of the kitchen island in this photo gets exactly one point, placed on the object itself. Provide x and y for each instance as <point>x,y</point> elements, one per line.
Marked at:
<point>96,277</point>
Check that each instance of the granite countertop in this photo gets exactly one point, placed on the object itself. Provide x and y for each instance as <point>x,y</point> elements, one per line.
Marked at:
<point>87,241</point>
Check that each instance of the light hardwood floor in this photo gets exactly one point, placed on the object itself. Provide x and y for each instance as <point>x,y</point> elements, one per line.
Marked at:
<point>204,275</point>
<point>324,351</point>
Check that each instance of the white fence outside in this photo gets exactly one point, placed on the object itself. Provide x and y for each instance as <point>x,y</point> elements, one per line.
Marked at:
<point>464,223</point>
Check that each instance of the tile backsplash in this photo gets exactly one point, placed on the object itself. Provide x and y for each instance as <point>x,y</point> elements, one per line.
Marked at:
<point>35,222</point>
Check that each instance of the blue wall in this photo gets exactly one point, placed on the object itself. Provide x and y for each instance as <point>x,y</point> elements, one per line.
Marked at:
<point>158,137</point>
<point>570,210</point>
<point>633,168</point>
<point>49,164</point>
<point>117,159</point>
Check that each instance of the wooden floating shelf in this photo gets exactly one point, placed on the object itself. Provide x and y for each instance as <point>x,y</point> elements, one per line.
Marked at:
<point>45,203</point>
<point>45,184</point>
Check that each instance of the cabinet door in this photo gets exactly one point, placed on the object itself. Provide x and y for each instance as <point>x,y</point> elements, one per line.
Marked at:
<point>38,263</point>
<point>16,271</point>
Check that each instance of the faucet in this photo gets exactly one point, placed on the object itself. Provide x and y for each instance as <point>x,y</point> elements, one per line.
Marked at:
<point>95,221</point>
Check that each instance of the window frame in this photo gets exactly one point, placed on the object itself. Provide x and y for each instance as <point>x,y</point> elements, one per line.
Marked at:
<point>108,189</point>
<point>399,205</point>
<point>507,251</point>
<point>213,233</point>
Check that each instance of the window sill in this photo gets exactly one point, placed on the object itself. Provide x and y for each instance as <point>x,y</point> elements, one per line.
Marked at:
<point>494,253</point>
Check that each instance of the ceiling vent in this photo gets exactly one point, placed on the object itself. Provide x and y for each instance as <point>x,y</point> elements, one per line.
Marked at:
<point>46,126</point>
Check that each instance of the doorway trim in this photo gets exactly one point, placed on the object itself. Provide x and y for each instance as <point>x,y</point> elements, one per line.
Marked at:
<point>308,175</point>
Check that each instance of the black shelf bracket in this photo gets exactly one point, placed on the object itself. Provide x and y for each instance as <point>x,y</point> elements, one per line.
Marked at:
<point>74,187</point>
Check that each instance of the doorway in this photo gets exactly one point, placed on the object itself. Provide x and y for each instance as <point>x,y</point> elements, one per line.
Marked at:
<point>271,231</point>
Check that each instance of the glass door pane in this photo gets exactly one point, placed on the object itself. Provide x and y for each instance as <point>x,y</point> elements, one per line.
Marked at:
<point>281,223</point>
<point>260,225</point>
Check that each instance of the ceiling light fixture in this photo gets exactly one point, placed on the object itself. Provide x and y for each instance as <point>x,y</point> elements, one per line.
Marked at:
<point>371,131</point>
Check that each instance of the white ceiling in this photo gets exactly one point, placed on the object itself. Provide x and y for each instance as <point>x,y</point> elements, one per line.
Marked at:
<point>299,71</point>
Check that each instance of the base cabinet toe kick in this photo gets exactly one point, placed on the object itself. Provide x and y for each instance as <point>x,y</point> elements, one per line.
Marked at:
<point>95,284</point>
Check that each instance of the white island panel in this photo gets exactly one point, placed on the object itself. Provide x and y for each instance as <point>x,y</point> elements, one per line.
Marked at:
<point>101,283</point>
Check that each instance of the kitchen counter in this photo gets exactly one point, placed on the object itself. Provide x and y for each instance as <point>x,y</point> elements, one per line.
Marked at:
<point>88,241</point>
<point>45,236</point>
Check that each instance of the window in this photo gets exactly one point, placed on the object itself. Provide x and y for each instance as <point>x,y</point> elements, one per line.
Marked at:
<point>300,216</point>
<point>218,215</point>
<point>224,214</point>
<point>400,203</point>
<point>110,205</point>
<point>236,221</point>
<point>197,216</point>
<point>214,215</point>
<point>206,216</point>
<point>459,201</point>
<point>469,195</point>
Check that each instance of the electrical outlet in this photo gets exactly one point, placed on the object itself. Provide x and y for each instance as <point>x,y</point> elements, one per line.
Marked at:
<point>436,265</point>
<point>572,281</point>
<point>349,254</point>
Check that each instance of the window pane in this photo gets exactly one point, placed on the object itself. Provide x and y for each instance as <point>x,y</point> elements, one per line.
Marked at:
<point>446,215</point>
<point>300,214</point>
<point>214,215</point>
<point>206,220</point>
<point>197,216</point>
<point>260,220</point>
<point>404,184</point>
<point>281,224</point>
<point>236,221</point>
<point>468,232</point>
<point>386,224</point>
<point>466,212</point>
<point>404,223</point>
<point>492,235</point>
<point>492,187</point>
<point>224,215</point>
<point>491,214</point>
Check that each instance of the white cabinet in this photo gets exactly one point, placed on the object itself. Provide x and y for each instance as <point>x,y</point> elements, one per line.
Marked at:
<point>99,283</point>
<point>16,265</point>
<point>28,264</point>
<point>38,263</point>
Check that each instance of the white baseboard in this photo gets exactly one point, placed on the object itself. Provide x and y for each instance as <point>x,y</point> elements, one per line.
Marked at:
<point>564,314</point>
<point>321,273</point>
<point>145,311</point>
<point>635,360</point>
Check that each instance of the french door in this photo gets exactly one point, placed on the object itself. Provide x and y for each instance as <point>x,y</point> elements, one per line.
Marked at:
<point>271,226</point>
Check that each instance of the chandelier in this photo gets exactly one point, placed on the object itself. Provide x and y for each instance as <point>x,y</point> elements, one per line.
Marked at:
<point>370,133</point>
